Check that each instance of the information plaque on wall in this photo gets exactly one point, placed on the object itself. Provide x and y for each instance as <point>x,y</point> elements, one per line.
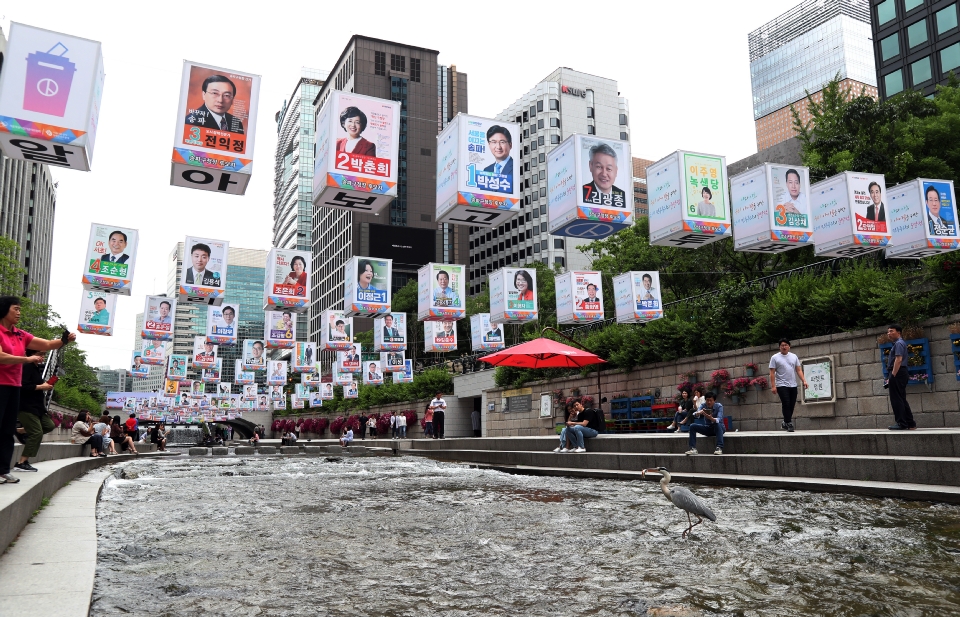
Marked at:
<point>820,387</point>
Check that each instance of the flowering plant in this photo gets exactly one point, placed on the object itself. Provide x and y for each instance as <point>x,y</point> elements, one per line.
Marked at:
<point>586,401</point>
<point>558,396</point>
<point>353,423</point>
<point>684,385</point>
<point>759,382</point>
<point>719,377</point>
<point>727,388</point>
<point>919,377</point>
<point>320,425</point>
<point>337,425</point>
<point>752,366</point>
<point>383,424</point>
<point>741,383</point>
<point>277,426</point>
<point>411,416</point>
<point>57,418</point>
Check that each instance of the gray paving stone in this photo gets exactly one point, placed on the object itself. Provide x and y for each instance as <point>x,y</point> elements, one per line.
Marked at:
<point>221,451</point>
<point>198,451</point>
<point>267,450</point>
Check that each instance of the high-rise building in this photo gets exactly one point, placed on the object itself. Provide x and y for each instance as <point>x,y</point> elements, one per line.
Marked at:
<point>563,103</point>
<point>111,379</point>
<point>245,270</point>
<point>427,92</point>
<point>916,44</point>
<point>154,381</point>
<point>28,200</point>
<point>801,51</point>
<point>641,204</point>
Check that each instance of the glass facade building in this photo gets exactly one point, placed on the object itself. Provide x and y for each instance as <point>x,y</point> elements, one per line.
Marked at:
<point>916,43</point>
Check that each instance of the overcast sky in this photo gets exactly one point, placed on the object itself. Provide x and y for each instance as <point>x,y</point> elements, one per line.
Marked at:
<point>684,67</point>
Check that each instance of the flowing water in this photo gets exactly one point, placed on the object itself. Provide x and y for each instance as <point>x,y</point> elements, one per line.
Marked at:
<point>409,537</point>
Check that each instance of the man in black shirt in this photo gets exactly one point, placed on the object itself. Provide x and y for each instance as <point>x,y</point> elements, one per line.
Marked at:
<point>587,426</point>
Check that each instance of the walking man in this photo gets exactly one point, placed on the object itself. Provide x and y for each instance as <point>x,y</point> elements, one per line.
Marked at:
<point>784,369</point>
<point>897,381</point>
<point>439,407</point>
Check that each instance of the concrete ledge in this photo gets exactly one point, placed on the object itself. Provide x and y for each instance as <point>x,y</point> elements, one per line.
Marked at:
<point>55,450</point>
<point>314,450</point>
<point>267,450</point>
<point>198,451</point>
<point>245,450</point>
<point>289,449</point>
<point>335,449</point>
<point>221,451</point>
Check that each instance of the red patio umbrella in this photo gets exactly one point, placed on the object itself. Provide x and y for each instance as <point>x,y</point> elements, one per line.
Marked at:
<point>543,353</point>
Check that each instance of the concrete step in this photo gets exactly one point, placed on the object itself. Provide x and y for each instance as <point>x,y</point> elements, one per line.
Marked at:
<point>907,469</point>
<point>55,450</point>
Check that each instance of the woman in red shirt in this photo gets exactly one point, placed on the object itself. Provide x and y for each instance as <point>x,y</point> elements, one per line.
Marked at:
<point>13,345</point>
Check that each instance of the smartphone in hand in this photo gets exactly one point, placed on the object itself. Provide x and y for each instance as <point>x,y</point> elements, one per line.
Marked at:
<point>53,380</point>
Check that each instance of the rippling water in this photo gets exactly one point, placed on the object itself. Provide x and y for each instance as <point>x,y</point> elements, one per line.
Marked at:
<point>410,537</point>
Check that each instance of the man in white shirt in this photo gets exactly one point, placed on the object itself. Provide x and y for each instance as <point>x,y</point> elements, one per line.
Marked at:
<point>439,406</point>
<point>793,200</point>
<point>784,368</point>
<point>401,426</point>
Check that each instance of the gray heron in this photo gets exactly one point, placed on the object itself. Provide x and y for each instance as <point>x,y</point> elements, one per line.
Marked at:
<point>682,498</point>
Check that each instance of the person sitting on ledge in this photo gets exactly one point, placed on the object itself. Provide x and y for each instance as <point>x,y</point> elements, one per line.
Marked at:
<point>709,422</point>
<point>567,440</point>
<point>587,426</point>
<point>347,437</point>
<point>254,440</point>
<point>684,413</point>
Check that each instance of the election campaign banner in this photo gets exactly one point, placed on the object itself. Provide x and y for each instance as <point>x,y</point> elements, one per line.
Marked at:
<point>513,295</point>
<point>276,372</point>
<point>203,277</point>
<point>849,212</point>
<point>923,219</point>
<point>341,379</point>
<point>336,332</point>
<point>204,352</point>
<point>349,361</point>
<point>392,360</point>
<point>485,335</point>
<point>51,88</point>
<point>372,373</point>
<point>110,260</point>
<point>97,310</point>
<point>350,390</point>
<point>688,200</point>
<point>128,400</point>
<point>286,281</point>
<point>589,187</point>
<point>478,171</point>
<point>138,369</point>
<point>356,152</point>
<point>214,373</point>
<point>241,376</point>
<point>304,357</point>
<point>223,324</point>
<point>440,336</point>
<point>366,286</point>
<point>216,125</point>
<point>253,358</point>
<point>171,386</point>
<point>390,332</point>
<point>441,292</point>
<point>154,353</point>
<point>406,375</point>
<point>637,297</point>
<point>311,378</point>
<point>177,367</point>
<point>771,209</point>
<point>158,314</point>
<point>279,329</point>
<point>579,297</point>
<point>326,391</point>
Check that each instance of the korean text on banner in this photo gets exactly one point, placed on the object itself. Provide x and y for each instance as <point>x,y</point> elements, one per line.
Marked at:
<point>203,277</point>
<point>390,332</point>
<point>513,295</point>
<point>336,331</point>
<point>771,209</point>
<point>441,292</point>
<point>579,297</point>
<point>223,324</point>
<point>366,286</point>
<point>110,259</point>
<point>485,335</point>
<point>158,314</point>
<point>97,312</point>
<point>286,281</point>
<point>923,219</point>
<point>637,297</point>
<point>688,200</point>
<point>849,212</point>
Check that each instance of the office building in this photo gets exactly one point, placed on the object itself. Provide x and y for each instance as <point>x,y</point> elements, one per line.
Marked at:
<point>245,270</point>
<point>801,51</point>
<point>111,379</point>
<point>916,44</point>
<point>154,381</point>
<point>28,200</point>
<point>563,103</point>
<point>427,93</point>
<point>641,205</point>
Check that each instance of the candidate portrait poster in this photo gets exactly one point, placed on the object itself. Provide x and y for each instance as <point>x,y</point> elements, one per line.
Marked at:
<point>350,390</point>
<point>349,361</point>
<point>154,353</point>
<point>406,375</point>
<point>336,332</point>
<point>390,332</point>
<point>177,367</point>
<point>705,187</point>
<point>304,357</point>
<point>213,374</point>
<point>365,137</point>
<point>790,187</point>
<point>97,312</point>
<point>253,355</point>
<point>440,335</point>
<point>441,292</point>
<point>868,201</point>
<point>367,286</point>
<point>279,329</point>
<point>138,368</point>
<point>520,289</point>
<point>372,373</point>
<point>276,372</point>
<point>203,276</point>
<point>204,352</point>
<point>111,257</point>
<point>218,109</point>
<point>326,391</point>
<point>310,379</point>
<point>158,315</point>
<point>606,174</point>
<point>484,333</point>
<point>286,280</point>
<point>223,324</point>
<point>392,360</point>
<point>940,209</point>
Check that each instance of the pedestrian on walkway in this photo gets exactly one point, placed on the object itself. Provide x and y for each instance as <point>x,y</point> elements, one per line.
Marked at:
<point>33,414</point>
<point>363,425</point>
<point>372,425</point>
<point>897,378</point>
<point>393,425</point>
<point>784,369</point>
<point>13,346</point>
<point>475,420</point>
<point>428,422</point>
<point>439,407</point>
<point>401,425</point>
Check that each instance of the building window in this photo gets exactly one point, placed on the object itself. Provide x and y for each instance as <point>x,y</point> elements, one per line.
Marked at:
<point>917,33</point>
<point>886,11</point>
<point>543,245</point>
<point>398,63</point>
<point>947,19</point>
<point>558,243</point>
<point>890,47</point>
<point>591,130</point>
<point>542,158</point>
<point>533,110</point>
<point>920,71</point>
<point>950,57</point>
<point>379,63</point>
<point>539,105</point>
<point>540,140</point>
<point>414,69</point>
<point>536,248</point>
<point>559,261</point>
<point>554,105</point>
<point>589,112</point>
<point>909,5</point>
<point>555,123</point>
<point>526,117</point>
<point>623,136</point>
<point>543,193</point>
<point>893,82</point>
<point>540,123</point>
<point>623,119</point>
<point>554,139</point>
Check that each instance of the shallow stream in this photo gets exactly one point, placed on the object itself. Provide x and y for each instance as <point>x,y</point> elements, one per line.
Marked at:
<point>409,537</point>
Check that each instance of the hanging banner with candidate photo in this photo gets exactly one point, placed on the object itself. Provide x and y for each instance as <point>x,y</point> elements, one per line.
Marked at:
<point>310,379</point>
<point>111,257</point>
<point>513,295</point>
<point>203,277</point>
<point>154,353</point>
<point>177,367</point>
<point>637,297</point>
<point>286,281</point>
<point>392,361</point>
<point>304,357</point>
<point>223,324</point>
<point>355,153</point>
<point>326,391</point>
<point>276,394</point>
<point>51,88</point>
<point>372,373</point>
<point>478,171</point>
<point>276,372</point>
<point>390,332</point>
<point>336,331</point>
<point>771,209</point>
<point>579,297</point>
<point>849,213</point>
<point>342,379</point>
<point>441,292</point>
<point>485,335</point>
<point>922,218</point>
<point>216,126</point>
<point>249,392</point>
<point>241,376</point>
<point>349,361</point>
<point>253,355</point>
<point>213,373</point>
<point>688,202</point>
<point>406,375</point>
<point>198,390</point>
<point>158,315</point>
<point>316,400</point>
<point>350,390</point>
<point>171,386</point>
<point>97,310</point>
<point>589,187</point>
<point>366,286</point>
<point>440,336</point>
<point>138,369</point>
<point>279,329</point>
<point>204,352</point>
